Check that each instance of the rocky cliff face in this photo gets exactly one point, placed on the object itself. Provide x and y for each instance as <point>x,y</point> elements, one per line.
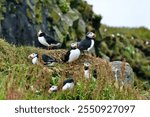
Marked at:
<point>64,20</point>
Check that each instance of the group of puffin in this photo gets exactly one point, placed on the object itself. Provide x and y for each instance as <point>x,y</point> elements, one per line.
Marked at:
<point>71,55</point>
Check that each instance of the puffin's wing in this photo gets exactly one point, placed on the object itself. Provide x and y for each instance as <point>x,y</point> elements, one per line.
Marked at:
<point>50,40</point>
<point>69,80</point>
<point>66,57</point>
<point>48,59</point>
<point>84,44</point>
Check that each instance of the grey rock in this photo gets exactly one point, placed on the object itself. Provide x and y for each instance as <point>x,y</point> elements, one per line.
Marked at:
<point>81,26</point>
<point>72,16</point>
<point>128,74</point>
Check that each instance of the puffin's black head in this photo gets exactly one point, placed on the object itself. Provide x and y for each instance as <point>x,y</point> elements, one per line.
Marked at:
<point>86,65</point>
<point>90,35</point>
<point>74,45</point>
<point>40,33</point>
<point>53,89</point>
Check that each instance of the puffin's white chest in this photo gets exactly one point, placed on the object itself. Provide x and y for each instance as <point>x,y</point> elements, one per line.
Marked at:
<point>68,86</point>
<point>86,74</point>
<point>34,60</point>
<point>43,41</point>
<point>74,55</point>
<point>92,45</point>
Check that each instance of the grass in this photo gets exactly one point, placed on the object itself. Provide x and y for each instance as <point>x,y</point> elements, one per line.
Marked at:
<point>18,75</point>
<point>140,33</point>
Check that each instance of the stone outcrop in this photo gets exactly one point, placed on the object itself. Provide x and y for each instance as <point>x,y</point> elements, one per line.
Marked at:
<point>122,72</point>
<point>21,19</point>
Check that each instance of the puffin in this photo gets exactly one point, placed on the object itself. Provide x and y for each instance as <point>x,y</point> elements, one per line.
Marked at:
<point>87,74</point>
<point>88,43</point>
<point>46,60</point>
<point>47,41</point>
<point>86,70</point>
<point>34,57</point>
<point>72,54</point>
<point>68,84</point>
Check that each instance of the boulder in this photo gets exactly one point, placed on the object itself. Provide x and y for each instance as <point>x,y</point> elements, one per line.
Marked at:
<point>122,72</point>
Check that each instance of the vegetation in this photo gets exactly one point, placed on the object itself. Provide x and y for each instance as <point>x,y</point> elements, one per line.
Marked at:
<point>132,44</point>
<point>64,6</point>
<point>19,79</point>
<point>140,33</point>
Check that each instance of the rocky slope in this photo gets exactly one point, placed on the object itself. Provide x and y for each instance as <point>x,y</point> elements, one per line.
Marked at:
<point>64,20</point>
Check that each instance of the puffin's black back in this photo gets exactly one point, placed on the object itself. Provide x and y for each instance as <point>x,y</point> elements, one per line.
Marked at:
<point>84,44</point>
<point>47,58</point>
<point>69,80</point>
<point>49,39</point>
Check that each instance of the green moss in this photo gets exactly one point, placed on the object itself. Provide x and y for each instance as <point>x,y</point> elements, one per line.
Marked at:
<point>29,14</point>
<point>38,13</point>
<point>96,19</point>
<point>63,5</point>
<point>2,9</point>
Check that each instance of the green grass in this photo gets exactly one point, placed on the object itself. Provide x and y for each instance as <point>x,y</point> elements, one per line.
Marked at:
<point>141,32</point>
<point>17,75</point>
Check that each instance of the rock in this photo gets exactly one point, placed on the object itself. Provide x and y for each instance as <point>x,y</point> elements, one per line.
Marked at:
<point>128,74</point>
<point>56,14</point>
<point>73,15</point>
<point>67,20</point>
<point>21,20</point>
<point>59,35</point>
<point>81,28</point>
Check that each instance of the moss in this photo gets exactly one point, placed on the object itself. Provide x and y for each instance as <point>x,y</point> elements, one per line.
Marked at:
<point>29,14</point>
<point>19,1</point>
<point>55,15</point>
<point>64,6</point>
<point>38,13</point>
<point>96,19</point>
<point>2,10</point>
